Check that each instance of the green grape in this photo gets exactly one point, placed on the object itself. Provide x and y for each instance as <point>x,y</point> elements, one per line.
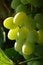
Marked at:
<point>21,8</point>
<point>32,36</point>
<point>8,23</point>
<point>18,45</point>
<point>21,39</point>
<point>24,2</point>
<point>31,24</point>
<point>30,63</point>
<point>38,19</point>
<point>39,50</point>
<point>35,3</point>
<point>28,57</point>
<point>28,48</point>
<point>12,34</point>
<point>20,18</point>
<point>23,33</point>
<point>15,3</point>
<point>40,37</point>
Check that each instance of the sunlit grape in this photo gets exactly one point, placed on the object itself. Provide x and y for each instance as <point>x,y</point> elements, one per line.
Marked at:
<point>28,48</point>
<point>18,45</point>
<point>20,18</point>
<point>8,23</point>
<point>12,34</point>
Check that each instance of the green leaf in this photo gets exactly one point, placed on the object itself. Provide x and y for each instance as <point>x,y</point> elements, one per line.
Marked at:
<point>10,52</point>
<point>4,60</point>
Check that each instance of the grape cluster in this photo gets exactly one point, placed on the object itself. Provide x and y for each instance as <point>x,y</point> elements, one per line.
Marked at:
<point>26,28</point>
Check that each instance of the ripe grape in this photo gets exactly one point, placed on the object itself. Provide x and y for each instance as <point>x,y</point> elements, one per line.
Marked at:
<point>12,34</point>
<point>24,2</point>
<point>21,39</point>
<point>28,48</point>
<point>38,19</point>
<point>18,45</point>
<point>21,8</point>
<point>23,33</point>
<point>20,18</point>
<point>8,23</point>
<point>15,3</point>
<point>40,37</point>
<point>28,57</point>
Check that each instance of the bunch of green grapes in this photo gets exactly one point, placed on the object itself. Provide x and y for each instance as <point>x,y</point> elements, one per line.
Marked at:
<point>27,29</point>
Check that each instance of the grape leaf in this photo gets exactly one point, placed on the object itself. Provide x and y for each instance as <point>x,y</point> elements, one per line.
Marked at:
<point>4,60</point>
<point>10,52</point>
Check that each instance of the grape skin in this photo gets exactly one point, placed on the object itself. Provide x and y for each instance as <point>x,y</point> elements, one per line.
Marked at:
<point>20,18</point>
<point>8,23</point>
<point>12,34</point>
<point>15,3</point>
<point>21,8</point>
<point>28,48</point>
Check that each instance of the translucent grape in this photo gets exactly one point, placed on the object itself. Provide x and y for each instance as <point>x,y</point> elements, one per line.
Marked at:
<point>8,23</point>
<point>12,34</point>
<point>18,45</point>
<point>23,33</point>
<point>20,18</point>
<point>21,39</point>
<point>28,48</point>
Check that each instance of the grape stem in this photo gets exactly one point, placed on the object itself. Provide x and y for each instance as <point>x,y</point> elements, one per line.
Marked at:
<point>32,59</point>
